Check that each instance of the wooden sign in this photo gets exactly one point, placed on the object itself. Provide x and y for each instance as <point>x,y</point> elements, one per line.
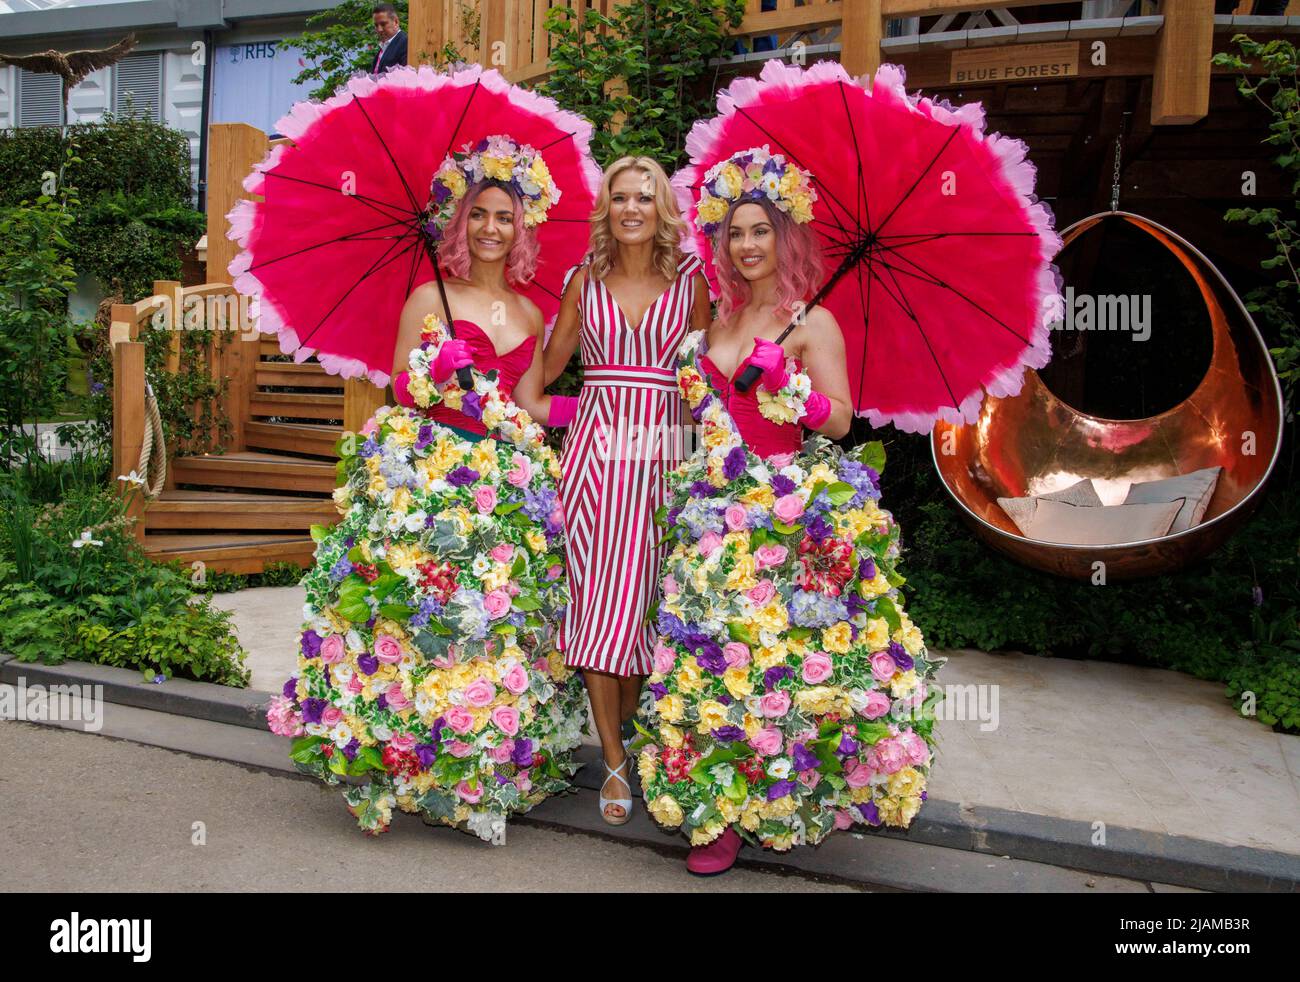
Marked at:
<point>1015,63</point>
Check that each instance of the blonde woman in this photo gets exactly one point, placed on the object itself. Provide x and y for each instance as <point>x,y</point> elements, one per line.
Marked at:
<point>629,307</point>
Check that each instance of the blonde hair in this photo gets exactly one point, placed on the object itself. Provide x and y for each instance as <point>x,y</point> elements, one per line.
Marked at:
<point>668,233</point>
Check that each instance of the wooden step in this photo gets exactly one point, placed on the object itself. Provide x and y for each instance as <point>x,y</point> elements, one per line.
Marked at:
<point>184,509</point>
<point>297,437</point>
<point>269,346</point>
<point>228,552</point>
<point>296,405</point>
<point>254,469</point>
<point>307,375</point>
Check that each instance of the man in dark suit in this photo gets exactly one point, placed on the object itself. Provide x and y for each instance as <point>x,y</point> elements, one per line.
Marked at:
<point>392,39</point>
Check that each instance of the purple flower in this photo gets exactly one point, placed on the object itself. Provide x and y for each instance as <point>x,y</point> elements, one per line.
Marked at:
<point>425,437</point>
<point>96,387</point>
<point>782,485</point>
<point>659,689</point>
<point>471,405</point>
<point>350,751</point>
<point>522,755</point>
<point>338,572</point>
<point>866,568</point>
<point>818,529</point>
<point>369,448</point>
<point>290,689</point>
<point>368,664</point>
<point>312,709</point>
<point>804,759</point>
<point>871,813</point>
<point>440,192</point>
<point>901,658</point>
<point>702,489</point>
<point>848,746</point>
<point>780,789</point>
<point>426,753</point>
<point>728,734</point>
<point>775,674</point>
<point>671,625</point>
<point>725,699</point>
<point>462,476</point>
<point>734,465</point>
<point>711,659</point>
<point>310,644</point>
<point>435,731</point>
<point>382,701</point>
<point>673,513</point>
<point>1257,595</point>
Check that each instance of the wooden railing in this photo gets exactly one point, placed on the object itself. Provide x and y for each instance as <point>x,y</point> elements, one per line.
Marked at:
<point>511,36</point>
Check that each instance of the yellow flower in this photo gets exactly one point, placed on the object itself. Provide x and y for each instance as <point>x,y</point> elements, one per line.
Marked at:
<point>498,168</point>
<point>670,707</point>
<point>740,540</point>
<point>689,676</point>
<point>453,180</point>
<point>737,682</point>
<point>671,736</point>
<point>909,636</point>
<point>775,408</point>
<point>713,715</point>
<point>707,833</point>
<point>761,495</point>
<point>742,575</point>
<point>751,815</point>
<point>819,699</point>
<point>402,500</point>
<point>483,458</point>
<point>729,809</point>
<point>404,429</point>
<point>903,683</point>
<point>898,812</point>
<point>731,179</point>
<point>752,725</point>
<point>906,782</point>
<point>377,485</point>
<point>780,843</point>
<point>860,796</point>
<point>781,808</point>
<point>446,455</point>
<point>790,181</point>
<point>666,811</point>
<point>766,658</point>
<point>711,209</point>
<point>646,765</point>
<point>536,541</point>
<point>420,389</point>
<point>715,437</point>
<point>497,576</point>
<point>819,473</point>
<point>342,498</point>
<point>838,638</point>
<point>877,636</point>
<point>715,475</point>
<point>404,555</point>
<point>874,587</point>
<point>801,208</point>
<point>461,516</point>
<point>772,617</point>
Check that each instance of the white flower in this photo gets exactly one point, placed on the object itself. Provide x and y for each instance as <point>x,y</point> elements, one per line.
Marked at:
<point>480,565</point>
<point>317,729</point>
<point>86,540</point>
<point>779,768</point>
<point>342,675</point>
<point>341,734</point>
<point>132,478</point>
<point>415,520</point>
<point>380,732</point>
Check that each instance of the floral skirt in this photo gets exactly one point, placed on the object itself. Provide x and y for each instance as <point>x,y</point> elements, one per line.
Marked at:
<point>427,678</point>
<point>791,692</point>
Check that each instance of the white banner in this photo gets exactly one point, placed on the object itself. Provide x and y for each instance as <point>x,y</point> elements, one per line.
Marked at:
<point>251,83</point>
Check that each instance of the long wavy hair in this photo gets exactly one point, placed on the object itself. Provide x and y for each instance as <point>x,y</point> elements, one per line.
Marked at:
<point>668,234</point>
<point>798,262</point>
<point>521,260</point>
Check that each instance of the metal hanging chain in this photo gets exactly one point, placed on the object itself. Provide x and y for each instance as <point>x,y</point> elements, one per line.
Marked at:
<point>1114,187</point>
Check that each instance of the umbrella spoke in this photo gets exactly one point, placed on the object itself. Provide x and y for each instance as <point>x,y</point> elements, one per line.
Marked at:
<point>864,302</point>
<point>915,184</point>
<point>415,204</point>
<point>906,307</point>
<point>455,130</point>
<point>864,206</point>
<point>364,199</point>
<point>377,265</point>
<point>348,237</point>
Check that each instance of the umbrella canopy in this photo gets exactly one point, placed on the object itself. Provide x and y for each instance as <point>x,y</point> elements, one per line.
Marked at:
<point>937,255</point>
<point>340,239</point>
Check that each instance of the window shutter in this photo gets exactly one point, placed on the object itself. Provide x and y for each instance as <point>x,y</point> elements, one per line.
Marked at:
<point>40,99</point>
<point>141,76</point>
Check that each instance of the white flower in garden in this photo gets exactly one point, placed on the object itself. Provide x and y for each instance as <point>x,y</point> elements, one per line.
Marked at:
<point>86,540</point>
<point>480,565</point>
<point>779,768</point>
<point>133,478</point>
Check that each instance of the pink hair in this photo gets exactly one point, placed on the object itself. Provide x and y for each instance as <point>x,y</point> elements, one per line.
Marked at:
<point>453,251</point>
<point>798,262</point>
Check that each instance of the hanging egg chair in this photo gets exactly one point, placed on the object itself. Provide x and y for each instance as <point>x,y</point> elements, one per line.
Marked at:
<point>1229,416</point>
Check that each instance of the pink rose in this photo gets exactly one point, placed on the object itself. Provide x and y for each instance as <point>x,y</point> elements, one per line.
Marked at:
<point>767,742</point>
<point>331,715</point>
<point>480,693</point>
<point>710,542</point>
<point>402,742</point>
<point>917,750</point>
<point>670,587</point>
<point>788,508</point>
<point>388,649</point>
<point>857,774</point>
<point>460,719</point>
<point>883,666</point>
<point>817,668</point>
<point>810,778</point>
<point>553,572</point>
<point>736,518</point>
<point>542,665</point>
<point>523,782</point>
<point>467,794</point>
<point>507,719</point>
<point>762,592</point>
<point>775,704</point>
<point>370,427</point>
<point>516,680</point>
<point>459,748</point>
<point>877,704</point>
<point>522,472</point>
<point>736,654</point>
<point>768,555</point>
<point>777,461</point>
<point>356,686</point>
<point>665,658</point>
<point>888,755</point>
<point>497,604</point>
<point>502,552</point>
<point>485,498</point>
<point>512,588</point>
<point>395,697</point>
<point>843,820</point>
<point>502,753</point>
<point>332,650</point>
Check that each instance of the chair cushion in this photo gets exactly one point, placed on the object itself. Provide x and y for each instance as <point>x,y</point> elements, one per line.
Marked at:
<point>1195,491</point>
<point>1059,521</point>
<point>1022,510</point>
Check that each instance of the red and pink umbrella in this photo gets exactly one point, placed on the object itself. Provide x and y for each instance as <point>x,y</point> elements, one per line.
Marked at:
<point>937,254</point>
<point>340,238</point>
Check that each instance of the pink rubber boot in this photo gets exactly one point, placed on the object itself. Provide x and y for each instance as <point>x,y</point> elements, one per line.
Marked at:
<point>717,857</point>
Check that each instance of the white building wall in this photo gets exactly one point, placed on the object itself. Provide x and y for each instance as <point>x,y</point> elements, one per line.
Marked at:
<point>88,102</point>
<point>183,101</point>
<point>8,93</point>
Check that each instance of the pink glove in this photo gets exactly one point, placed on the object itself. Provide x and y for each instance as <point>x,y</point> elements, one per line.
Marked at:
<point>454,354</point>
<point>563,409</point>
<point>816,410</point>
<point>401,390</point>
<point>770,358</point>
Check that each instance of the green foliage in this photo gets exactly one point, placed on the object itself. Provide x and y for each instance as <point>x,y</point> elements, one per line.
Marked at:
<point>128,241</point>
<point>273,574</point>
<point>644,80</point>
<point>1275,89</point>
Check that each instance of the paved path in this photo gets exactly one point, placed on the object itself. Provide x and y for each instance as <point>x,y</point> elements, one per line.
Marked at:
<point>1086,740</point>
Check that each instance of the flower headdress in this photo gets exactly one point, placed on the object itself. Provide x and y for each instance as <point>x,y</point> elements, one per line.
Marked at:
<point>750,175</point>
<point>495,158</point>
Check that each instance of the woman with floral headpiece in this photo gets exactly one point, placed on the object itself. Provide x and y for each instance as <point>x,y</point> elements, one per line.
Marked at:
<point>428,665</point>
<point>787,676</point>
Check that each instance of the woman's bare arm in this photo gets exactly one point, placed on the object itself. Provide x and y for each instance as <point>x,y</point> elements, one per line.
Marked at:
<point>823,359</point>
<point>528,394</point>
<point>410,324</point>
<point>701,309</point>
<point>564,336</point>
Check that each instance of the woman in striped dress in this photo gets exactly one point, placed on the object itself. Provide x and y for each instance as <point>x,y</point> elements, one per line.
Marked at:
<point>629,307</point>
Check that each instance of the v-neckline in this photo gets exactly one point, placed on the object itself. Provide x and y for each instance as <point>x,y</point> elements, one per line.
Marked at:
<point>627,322</point>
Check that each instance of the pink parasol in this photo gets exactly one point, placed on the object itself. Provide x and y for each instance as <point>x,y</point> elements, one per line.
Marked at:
<point>937,254</point>
<point>341,237</point>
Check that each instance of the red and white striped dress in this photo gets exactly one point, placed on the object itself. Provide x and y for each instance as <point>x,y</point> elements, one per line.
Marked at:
<point>613,481</point>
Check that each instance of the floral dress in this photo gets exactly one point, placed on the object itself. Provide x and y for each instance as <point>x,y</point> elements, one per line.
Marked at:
<point>791,692</point>
<point>427,672</point>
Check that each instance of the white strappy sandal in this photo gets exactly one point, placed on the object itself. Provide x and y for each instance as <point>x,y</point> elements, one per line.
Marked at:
<point>624,803</point>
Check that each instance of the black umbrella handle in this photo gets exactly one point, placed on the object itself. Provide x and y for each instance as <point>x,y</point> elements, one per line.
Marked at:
<point>464,376</point>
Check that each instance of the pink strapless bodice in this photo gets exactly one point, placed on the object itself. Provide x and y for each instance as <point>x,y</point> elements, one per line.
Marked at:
<point>764,437</point>
<point>510,368</point>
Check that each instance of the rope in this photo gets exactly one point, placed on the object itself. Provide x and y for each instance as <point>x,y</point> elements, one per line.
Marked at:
<point>153,432</point>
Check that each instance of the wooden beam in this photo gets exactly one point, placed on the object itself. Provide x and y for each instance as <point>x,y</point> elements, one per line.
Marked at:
<point>360,400</point>
<point>806,18</point>
<point>860,37</point>
<point>1180,90</point>
<point>424,31</point>
<point>128,424</point>
<point>923,8</point>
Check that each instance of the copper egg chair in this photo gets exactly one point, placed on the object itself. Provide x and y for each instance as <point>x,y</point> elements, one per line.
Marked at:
<point>1035,443</point>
